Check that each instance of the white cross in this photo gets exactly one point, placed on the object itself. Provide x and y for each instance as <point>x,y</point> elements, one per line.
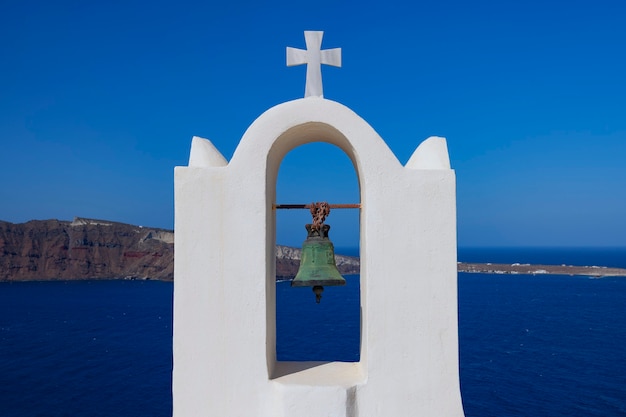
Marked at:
<point>314,57</point>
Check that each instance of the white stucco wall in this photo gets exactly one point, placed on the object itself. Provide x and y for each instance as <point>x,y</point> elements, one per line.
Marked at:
<point>224,307</point>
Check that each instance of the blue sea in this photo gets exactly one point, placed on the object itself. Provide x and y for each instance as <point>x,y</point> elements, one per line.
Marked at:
<point>529,345</point>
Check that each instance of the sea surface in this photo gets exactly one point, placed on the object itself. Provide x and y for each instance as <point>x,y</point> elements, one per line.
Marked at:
<point>529,345</point>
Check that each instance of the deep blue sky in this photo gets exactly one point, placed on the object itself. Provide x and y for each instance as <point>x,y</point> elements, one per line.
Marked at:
<point>99,101</point>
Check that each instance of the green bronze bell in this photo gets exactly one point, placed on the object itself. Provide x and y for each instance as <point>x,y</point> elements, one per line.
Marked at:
<point>317,264</point>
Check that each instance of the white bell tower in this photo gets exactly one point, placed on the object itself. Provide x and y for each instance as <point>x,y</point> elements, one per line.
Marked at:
<point>225,309</point>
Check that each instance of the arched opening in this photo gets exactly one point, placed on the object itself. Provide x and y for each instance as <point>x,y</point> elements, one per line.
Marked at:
<point>331,330</point>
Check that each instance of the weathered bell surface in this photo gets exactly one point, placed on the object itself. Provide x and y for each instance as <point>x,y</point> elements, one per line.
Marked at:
<point>317,265</point>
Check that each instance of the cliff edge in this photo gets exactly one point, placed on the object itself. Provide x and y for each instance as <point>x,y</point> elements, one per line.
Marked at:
<point>44,250</point>
<point>84,249</point>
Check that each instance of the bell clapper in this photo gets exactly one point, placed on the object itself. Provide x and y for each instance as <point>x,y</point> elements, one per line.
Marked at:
<point>318,290</point>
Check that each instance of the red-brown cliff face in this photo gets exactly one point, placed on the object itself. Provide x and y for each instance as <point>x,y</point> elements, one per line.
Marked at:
<point>84,249</point>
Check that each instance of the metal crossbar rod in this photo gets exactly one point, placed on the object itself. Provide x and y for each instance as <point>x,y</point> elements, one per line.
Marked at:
<point>308,206</point>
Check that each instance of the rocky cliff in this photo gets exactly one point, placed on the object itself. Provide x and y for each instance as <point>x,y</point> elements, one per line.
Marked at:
<point>84,249</point>
<point>100,249</point>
